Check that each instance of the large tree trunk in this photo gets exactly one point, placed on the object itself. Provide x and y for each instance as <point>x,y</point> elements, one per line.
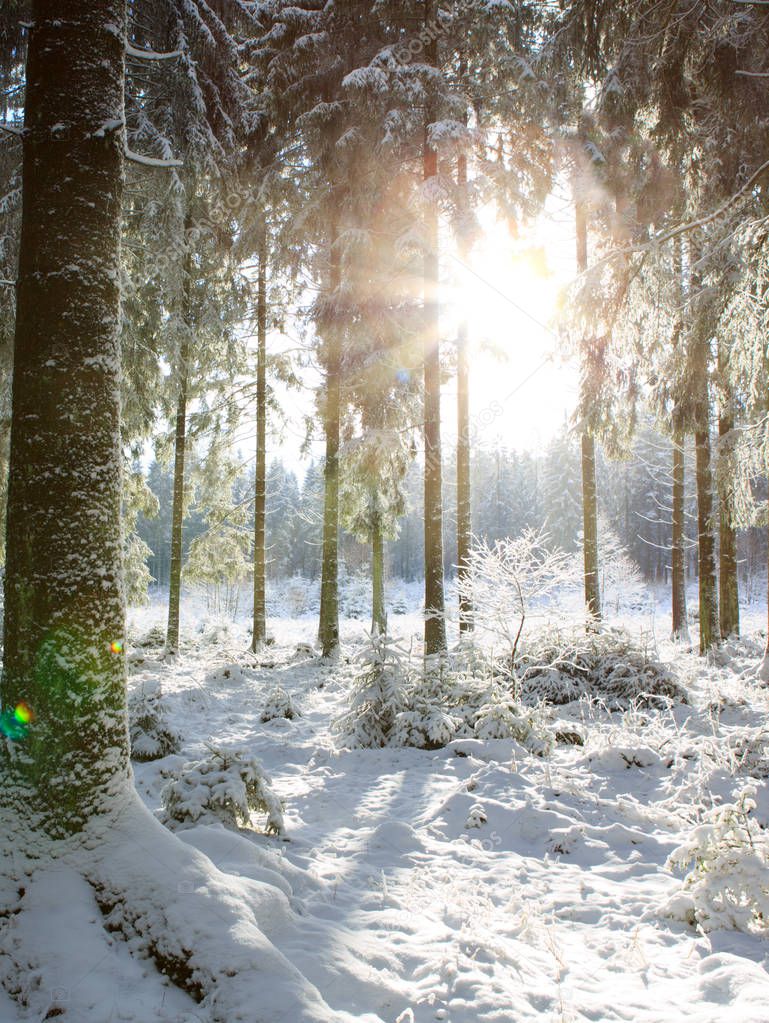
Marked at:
<point>177,513</point>
<point>680,627</point>
<point>435,624</point>
<point>260,474</point>
<point>64,603</point>
<point>589,489</point>
<point>328,628</point>
<point>464,520</point>
<point>728,589</point>
<point>378,608</point>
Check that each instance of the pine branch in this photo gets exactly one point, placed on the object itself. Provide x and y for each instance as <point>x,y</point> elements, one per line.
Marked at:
<point>132,51</point>
<point>151,161</point>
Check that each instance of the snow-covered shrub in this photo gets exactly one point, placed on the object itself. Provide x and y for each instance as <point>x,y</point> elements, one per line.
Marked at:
<point>151,736</point>
<point>728,881</point>
<point>559,665</point>
<point>217,630</point>
<point>155,636</point>
<point>500,717</point>
<point>279,705</point>
<point>507,582</point>
<point>377,694</point>
<point>750,752</point>
<point>622,585</point>
<point>355,596</point>
<point>227,786</point>
<point>429,726</point>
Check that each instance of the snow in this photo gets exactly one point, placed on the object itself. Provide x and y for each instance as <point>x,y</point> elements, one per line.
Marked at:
<point>478,883</point>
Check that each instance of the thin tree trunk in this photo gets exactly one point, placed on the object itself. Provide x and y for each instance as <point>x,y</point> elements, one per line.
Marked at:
<point>728,587</point>
<point>706,543</point>
<point>260,474</point>
<point>379,611</point>
<point>328,628</point>
<point>464,519</point>
<point>177,513</point>
<point>435,625</point>
<point>64,605</point>
<point>589,489</point>
<point>763,668</point>
<point>680,629</point>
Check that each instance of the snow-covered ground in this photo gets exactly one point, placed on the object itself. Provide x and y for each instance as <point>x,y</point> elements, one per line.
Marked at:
<point>472,884</point>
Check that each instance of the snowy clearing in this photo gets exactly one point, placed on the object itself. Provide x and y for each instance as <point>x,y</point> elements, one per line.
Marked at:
<point>472,883</point>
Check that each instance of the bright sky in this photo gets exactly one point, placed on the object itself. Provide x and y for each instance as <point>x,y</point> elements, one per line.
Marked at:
<point>521,389</point>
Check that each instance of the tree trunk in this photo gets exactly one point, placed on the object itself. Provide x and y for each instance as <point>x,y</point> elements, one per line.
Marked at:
<point>464,519</point>
<point>706,561</point>
<point>680,629</point>
<point>64,604</point>
<point>435,625</point>
<point>260,474</point>
<point>763,668</point>
<point>589,489</point>
<point>177,513</point>
<point>328,629</point>
<point>728,588</point>
<point>379,611</point>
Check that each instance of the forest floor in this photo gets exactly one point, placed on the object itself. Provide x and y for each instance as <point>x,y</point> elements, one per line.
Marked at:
<point>476,883</point>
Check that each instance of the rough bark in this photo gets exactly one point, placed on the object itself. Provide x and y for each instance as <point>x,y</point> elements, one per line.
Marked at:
<point>728,587</point>
<point>435,625</point>
<point>378,609</point>
<point>177,511</point>
<point>680,626</point>
<point>260,474</point>
<point>763,668</point>
<point>464,520</point>
<point>64,603</point>
<point>589,489</point>
<point>708,600</point>
<point>328,628</point>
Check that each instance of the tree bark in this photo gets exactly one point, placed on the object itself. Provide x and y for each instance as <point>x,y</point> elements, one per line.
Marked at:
<point>260,474</point>
<point>64,603</point>
<point>706,561</point>
<point>589,489</point>
<point>379,611</point>
<point>728,587</point>
<point>435,625</point>
<point>328,628</point>
<point>180,447</point>
<point>680,626</point>
<point>763,668</point>
<point>464,519</point>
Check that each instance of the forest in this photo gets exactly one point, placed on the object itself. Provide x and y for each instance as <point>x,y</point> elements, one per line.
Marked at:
<point>384,511</point>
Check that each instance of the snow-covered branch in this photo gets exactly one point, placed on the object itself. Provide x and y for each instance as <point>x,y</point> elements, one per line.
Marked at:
<point>151,161</point>
<point>132,51</point>
<point>12,130</point>
<point>7,284</point>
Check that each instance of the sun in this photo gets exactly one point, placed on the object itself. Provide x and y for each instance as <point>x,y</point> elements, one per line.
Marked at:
<point>507,292</point>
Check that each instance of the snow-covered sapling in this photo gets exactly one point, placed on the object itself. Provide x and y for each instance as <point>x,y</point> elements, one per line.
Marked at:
<point>227,786</point>
<point>506,582</point>
<point>377,694</point>
<point>279,705</point>
<point>728,881</point>
<point>151,736</point>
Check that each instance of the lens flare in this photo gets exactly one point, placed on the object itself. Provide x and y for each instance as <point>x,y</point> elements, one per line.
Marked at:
<point>14,724</point>
<point>116,646</point>
<point>24,714</point>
